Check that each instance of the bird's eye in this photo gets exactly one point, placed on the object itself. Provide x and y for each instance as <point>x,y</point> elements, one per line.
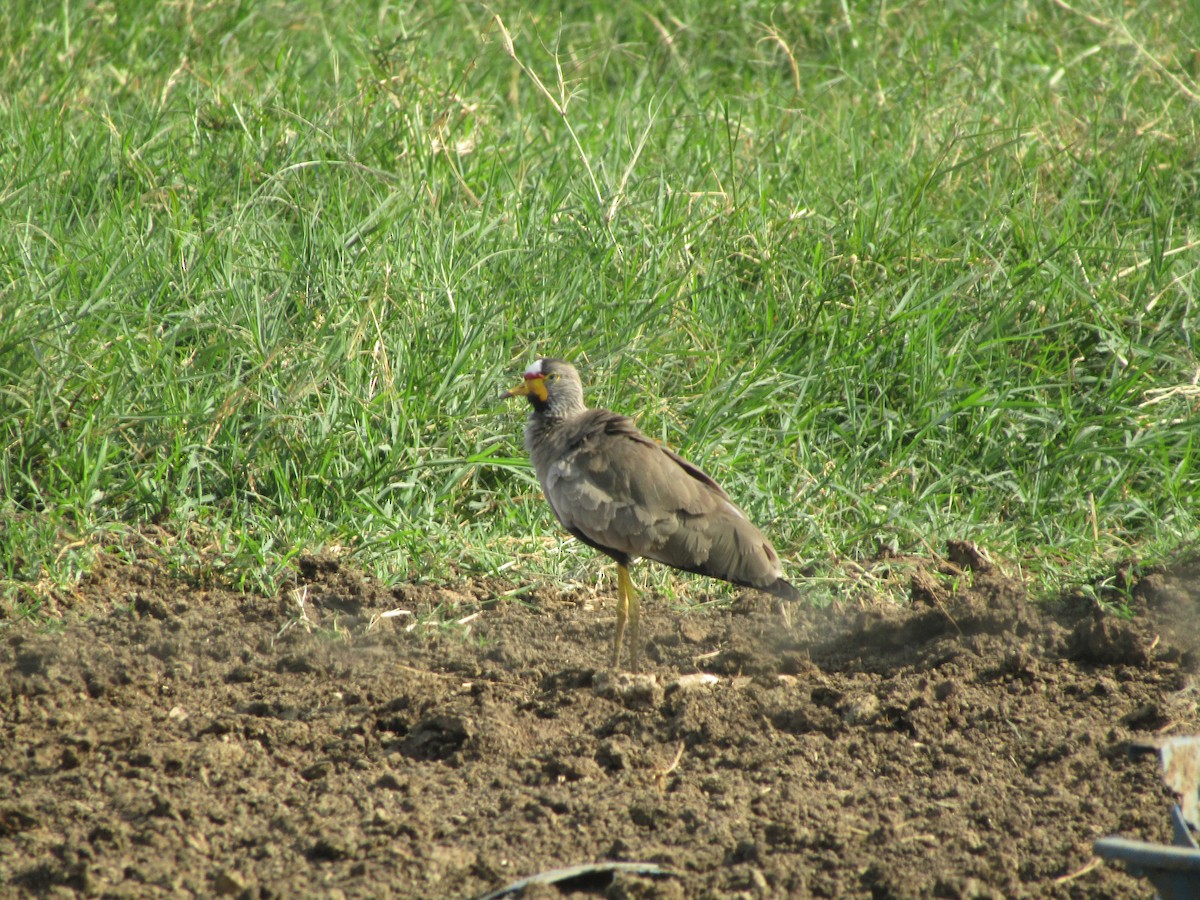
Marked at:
<point>553,376</point>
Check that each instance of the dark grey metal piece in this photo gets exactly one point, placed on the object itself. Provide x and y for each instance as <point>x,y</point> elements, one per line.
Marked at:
<point>1183,833</point>
<point>1174,871</point>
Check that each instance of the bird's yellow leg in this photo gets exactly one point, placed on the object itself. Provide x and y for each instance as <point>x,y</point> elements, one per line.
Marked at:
<point>622,612</point>
<point>635,617</point>
<point>632,608</point>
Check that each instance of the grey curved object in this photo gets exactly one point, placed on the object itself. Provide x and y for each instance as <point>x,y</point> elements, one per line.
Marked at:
<point>1173,870</point>
<point>583,872</point>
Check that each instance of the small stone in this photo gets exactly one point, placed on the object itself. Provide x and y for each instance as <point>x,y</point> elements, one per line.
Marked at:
<point>861,710</point>
<point>228,883</point>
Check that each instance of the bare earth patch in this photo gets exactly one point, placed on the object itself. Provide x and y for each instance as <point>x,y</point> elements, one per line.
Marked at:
<point>185,741</point>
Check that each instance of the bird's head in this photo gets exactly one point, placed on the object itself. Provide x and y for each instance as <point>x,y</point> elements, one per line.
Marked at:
<point>551,385</point>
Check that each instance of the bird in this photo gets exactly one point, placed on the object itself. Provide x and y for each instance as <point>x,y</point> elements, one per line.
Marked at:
<point>630,497</point>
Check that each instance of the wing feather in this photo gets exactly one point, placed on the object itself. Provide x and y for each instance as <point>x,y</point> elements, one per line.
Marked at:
<point>625,494</point>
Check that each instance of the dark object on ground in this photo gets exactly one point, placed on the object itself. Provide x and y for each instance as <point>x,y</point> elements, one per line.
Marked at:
<point>1174,871</point>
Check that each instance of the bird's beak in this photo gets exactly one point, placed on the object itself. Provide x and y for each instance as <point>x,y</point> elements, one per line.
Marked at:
<point>533,384</point>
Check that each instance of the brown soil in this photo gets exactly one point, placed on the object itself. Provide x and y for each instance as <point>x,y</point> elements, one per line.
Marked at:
<point>178,740</point>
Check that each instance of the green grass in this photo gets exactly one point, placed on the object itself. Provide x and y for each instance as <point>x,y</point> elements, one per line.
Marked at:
<point>893,273</point>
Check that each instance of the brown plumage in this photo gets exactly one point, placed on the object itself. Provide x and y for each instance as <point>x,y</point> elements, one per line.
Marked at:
<point>629,497</point>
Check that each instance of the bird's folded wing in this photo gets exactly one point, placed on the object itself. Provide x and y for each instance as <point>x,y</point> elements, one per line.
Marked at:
<point>620,491</point>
